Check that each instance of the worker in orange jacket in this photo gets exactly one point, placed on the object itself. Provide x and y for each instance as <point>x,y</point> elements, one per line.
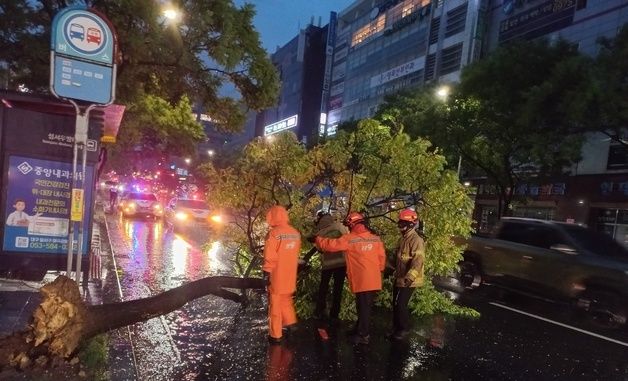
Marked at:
<point>366,259</point>
<point>281,252</point>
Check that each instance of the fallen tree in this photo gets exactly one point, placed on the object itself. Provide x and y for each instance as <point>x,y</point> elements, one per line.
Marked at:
<point>63,322</point>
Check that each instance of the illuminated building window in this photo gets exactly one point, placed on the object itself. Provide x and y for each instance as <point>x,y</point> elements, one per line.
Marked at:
<point>369,30</point>
<point>404,9</point>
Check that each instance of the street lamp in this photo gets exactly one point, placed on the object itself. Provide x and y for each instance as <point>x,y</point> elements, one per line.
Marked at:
<point>442,92</point>
<point>171,14</point>
<point>210,152</point>
<point>188,160</point>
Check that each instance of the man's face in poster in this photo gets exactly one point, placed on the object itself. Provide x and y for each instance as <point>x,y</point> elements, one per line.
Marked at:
<point>20,206</point>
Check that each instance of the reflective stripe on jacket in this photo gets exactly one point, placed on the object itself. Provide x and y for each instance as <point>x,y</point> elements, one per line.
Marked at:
<point>281,252</point>
<point>410,259</point>
<point>365,256</point>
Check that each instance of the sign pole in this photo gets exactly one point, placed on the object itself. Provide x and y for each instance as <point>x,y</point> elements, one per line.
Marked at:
<point>77,208</point>
<point>82,68</point>
<point>74,179</point>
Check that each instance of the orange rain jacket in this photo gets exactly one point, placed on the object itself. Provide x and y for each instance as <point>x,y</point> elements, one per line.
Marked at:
<point>281,252</point>
<point>365,257</point>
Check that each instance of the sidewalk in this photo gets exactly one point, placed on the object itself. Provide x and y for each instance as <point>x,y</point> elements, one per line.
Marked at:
<point>19,299</point>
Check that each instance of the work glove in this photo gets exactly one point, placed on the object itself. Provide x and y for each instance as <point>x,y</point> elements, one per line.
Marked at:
<point>407,282</point>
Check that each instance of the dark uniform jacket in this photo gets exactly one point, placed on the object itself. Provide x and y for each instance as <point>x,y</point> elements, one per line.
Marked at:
<point>410,259</point>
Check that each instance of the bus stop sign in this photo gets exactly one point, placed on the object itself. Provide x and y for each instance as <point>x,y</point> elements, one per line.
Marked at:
<point>83,48</point>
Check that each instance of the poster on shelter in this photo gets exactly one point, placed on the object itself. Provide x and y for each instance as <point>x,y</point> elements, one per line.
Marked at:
<point>38,206</point>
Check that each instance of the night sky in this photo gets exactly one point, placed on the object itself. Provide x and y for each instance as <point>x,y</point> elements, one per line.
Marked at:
<point>278,21</point>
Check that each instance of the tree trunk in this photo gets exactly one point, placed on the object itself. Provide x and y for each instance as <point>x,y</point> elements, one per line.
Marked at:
<point>63,322</point>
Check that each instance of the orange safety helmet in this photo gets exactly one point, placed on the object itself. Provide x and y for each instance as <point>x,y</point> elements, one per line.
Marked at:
<point>353,218</point>
<point>408,215</point>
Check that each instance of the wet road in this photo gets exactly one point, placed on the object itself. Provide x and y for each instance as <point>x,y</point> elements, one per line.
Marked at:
<point>517,338</point>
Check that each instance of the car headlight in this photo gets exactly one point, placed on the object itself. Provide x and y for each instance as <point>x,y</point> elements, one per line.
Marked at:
<point>181,216</point>
<point>216,218</point>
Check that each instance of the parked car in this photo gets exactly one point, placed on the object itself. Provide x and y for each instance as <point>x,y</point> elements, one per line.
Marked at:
<point>137,204</point>
<point>553,260</point>
<point>184,213</point>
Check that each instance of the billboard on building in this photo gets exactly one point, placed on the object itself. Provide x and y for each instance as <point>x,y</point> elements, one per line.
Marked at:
<point>539,20</point>
<point>282,125</point>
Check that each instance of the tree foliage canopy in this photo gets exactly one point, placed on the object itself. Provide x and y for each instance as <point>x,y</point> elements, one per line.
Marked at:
<point>514,114</point>
<point>611,88</point>
<point>371,169</point>
<point>213,44</point>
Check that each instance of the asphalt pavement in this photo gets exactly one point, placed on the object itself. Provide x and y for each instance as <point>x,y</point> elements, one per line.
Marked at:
<point>516,338</point>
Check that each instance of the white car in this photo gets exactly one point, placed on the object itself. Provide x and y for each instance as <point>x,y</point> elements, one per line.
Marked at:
<point>136,204</point>
<point>186,213</point>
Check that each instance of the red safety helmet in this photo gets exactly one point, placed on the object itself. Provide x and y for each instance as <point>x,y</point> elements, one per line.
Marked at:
<point>353,218</point>
<point>408,215</point>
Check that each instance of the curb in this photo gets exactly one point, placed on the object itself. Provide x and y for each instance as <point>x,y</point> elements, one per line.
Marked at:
<point>127,337</point>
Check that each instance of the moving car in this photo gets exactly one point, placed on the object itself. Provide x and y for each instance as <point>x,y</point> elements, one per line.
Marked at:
<point>185,213</point>
<point>553,260</point>
<point>137,204</point>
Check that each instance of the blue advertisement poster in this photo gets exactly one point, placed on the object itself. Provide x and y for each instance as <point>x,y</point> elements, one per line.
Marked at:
<point>38,206</point>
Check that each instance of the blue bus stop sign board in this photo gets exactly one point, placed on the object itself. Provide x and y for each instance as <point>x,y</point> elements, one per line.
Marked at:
<point>83,48</point>
<point>82,80</point>
<point>82,34</point>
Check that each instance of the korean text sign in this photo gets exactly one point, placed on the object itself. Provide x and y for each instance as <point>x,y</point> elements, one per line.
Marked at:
<point>38,206</point>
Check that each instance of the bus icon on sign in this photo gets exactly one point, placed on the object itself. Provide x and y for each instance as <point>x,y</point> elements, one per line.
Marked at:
<point>77,31</point>
<point>94,35</point>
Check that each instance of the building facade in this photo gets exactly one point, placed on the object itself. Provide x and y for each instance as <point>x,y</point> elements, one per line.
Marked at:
<point>595,192</point>
<point>301,67</point>
<point>382,47</point>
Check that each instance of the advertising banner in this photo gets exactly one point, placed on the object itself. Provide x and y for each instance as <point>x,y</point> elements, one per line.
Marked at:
<point>77,205</point>
<point>38,206</point>
<point>537,21</point>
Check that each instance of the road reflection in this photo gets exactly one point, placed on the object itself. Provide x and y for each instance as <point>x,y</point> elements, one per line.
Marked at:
<point>212,255</point>
<point>180,253</point>
<point>279,361</point>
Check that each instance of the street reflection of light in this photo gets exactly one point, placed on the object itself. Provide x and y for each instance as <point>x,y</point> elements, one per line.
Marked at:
<point>129,229</point>
<point>180,252</point>
<point>212,253</point>
<point>157,230</point>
